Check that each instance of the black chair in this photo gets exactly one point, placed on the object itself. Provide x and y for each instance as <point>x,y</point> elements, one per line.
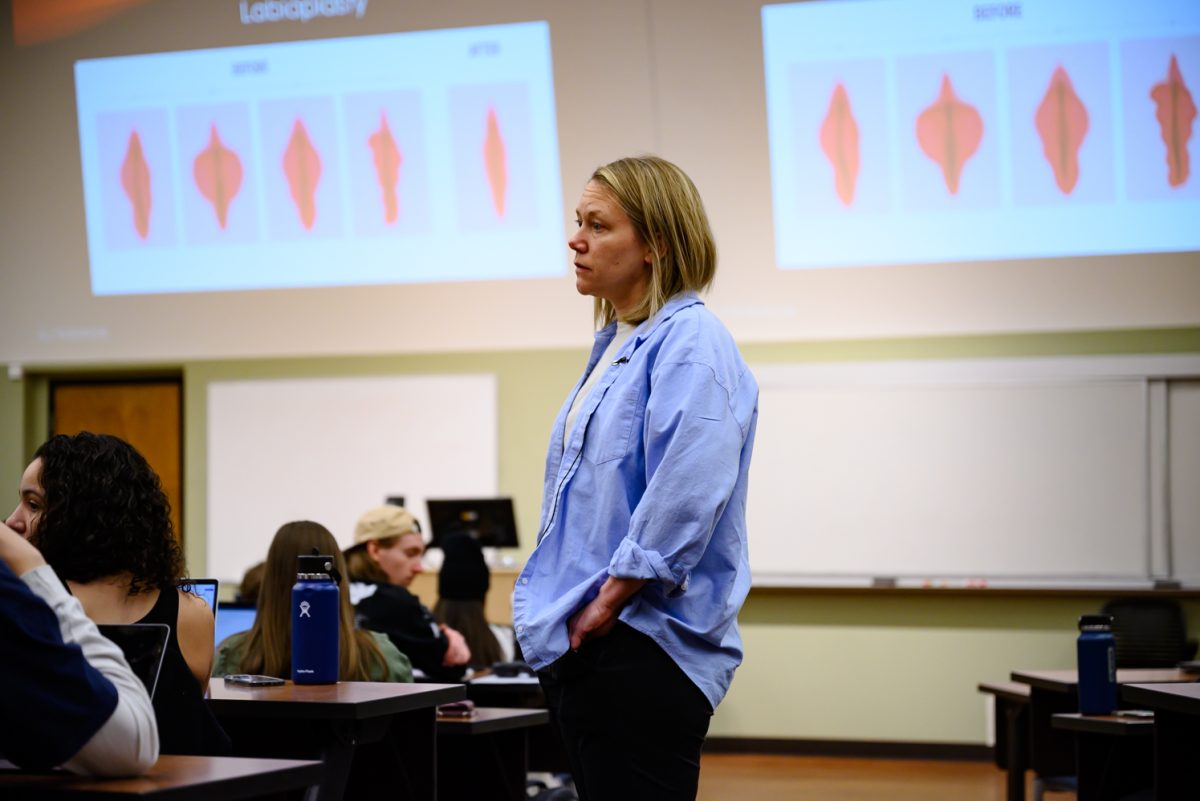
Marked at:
<point>1150,632</point>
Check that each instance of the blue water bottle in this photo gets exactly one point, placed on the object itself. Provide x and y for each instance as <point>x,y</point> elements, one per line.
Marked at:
<point>315,612</point>
<point>1097,657</point>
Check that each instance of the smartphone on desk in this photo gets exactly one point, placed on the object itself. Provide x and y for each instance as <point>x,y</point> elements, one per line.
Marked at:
<point>253,680</point>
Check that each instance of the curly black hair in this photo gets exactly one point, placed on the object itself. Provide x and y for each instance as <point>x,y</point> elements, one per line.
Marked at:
<point>106,513</point>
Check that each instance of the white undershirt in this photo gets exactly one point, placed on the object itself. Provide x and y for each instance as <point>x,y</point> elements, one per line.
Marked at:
<point>623,332</point>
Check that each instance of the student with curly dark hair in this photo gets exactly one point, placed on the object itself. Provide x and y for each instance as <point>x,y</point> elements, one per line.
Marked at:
<point>105,514</point>
<point>96,510</point>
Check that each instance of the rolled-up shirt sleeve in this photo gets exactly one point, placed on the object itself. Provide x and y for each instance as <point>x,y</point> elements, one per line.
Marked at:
<point>693,445</point>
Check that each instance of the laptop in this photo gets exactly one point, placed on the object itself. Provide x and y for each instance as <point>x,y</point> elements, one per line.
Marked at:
<point>206,588</point>
<point>235,616</point>
<point>143,645</point>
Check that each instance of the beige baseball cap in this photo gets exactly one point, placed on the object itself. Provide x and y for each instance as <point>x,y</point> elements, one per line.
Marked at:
<point>383,522</point>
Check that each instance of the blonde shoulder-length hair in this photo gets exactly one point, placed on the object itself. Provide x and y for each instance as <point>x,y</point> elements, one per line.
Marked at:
<point>269,646</point>
<point>666,211</point>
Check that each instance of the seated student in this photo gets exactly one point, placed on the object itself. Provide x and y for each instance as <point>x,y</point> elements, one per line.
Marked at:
<point>251,582</point>
<point>385,558</point>
<point>97,512</point>
<point>69,697</point>
<point>267,647</point>
<point>463,582</point>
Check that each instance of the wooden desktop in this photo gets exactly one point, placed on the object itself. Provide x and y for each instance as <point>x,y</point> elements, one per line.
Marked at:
<point>331,721</point>
<point>172,778</point>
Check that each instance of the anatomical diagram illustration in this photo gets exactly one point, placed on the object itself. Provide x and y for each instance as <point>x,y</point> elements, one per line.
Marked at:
<point>387,159</point>
<point>949,132</point>
<point>839,142</point>
<point>1062,123</point>
<point>302,167</point>
<point>1175,110</point>
<point>135,180</point>
<point>495,162</point>
<point>218,174</point>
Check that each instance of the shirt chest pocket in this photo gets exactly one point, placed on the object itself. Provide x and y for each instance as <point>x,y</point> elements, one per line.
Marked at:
<point>610,429</point>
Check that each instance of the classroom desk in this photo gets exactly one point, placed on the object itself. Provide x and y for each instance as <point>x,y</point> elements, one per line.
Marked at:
<point>506,691</point>
<point>546,752</point>
<point>1010,733</point>
<point>331,721</point>
<point>1113,753</point>
<point>173,778</point>
<point>1052,751</point>
<point>486,755</point>
<point>1176,735</point>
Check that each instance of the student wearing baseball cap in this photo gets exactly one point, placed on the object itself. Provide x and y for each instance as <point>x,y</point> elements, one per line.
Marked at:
<point>382,563</point>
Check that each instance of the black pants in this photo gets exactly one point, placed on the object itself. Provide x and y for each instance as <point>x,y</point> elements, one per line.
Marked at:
<point>633,723</point>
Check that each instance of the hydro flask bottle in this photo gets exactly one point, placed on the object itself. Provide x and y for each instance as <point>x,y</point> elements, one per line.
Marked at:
<point>1097,656</point>
<point>315,610</point>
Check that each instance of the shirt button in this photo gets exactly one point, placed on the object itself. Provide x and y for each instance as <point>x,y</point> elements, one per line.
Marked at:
<point>524,581</point>
<point>520,629</point>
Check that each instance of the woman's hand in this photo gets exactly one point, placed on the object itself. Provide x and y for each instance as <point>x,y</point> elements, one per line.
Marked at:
<point>600,615</point>
<point>17,552</point>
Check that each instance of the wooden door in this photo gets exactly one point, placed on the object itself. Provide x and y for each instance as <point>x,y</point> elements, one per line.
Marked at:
<point>146,414</point>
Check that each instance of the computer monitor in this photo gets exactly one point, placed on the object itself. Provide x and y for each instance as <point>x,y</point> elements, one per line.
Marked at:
<point>490,521</point>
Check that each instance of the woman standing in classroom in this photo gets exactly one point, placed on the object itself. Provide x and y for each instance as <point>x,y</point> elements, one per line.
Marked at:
<point>628,605</point>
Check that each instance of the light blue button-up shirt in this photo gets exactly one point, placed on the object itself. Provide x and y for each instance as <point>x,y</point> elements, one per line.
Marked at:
<point>650,484</point>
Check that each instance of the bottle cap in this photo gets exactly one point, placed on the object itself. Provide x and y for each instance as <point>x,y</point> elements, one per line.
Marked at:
<point>317,563</point>
<point>1095,622</point>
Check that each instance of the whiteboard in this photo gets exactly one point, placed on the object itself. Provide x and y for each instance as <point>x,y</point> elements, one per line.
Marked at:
<point>1182,460</point>
<point>328,449</point>
<point>1022,470</point>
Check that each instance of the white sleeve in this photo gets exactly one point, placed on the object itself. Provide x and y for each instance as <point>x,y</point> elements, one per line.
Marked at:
<point>127,743</point>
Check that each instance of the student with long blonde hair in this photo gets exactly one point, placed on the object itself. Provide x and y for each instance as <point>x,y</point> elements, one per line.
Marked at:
<point>267,647</point>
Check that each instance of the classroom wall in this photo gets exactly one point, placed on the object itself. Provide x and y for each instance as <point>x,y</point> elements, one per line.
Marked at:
<point>910,662</point>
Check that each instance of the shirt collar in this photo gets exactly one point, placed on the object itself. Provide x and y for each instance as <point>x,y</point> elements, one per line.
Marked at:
<point>680,300</point>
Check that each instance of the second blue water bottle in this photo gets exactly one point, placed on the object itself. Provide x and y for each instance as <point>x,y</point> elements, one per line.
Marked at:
<point>1097,662</point>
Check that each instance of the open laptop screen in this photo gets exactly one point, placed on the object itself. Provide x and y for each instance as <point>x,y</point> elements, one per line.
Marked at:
<point>206,588</point>
<point>143,645</point>
<point>234,617</point>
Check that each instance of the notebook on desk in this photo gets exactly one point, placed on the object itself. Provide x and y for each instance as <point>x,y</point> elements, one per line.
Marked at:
<point>143,645</point>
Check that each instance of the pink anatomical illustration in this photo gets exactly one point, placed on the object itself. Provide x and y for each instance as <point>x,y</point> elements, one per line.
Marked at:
<point>218,174</point>
<point>302,166</point>
<point>949,132</point>
<point>839,141</point>
<point>135,180</point>
<point>1175,110</point>
<point>1062,123</point>
<point>495,162</point>
<point>387,159</point>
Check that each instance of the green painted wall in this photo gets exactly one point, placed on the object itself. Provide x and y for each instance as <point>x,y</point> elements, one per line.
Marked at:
<point>13,438</point>
<point>909,663</point>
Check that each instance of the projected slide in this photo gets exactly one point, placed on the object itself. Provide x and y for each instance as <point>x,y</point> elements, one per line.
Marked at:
<point>414,157</point>
<point>924,131</point>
